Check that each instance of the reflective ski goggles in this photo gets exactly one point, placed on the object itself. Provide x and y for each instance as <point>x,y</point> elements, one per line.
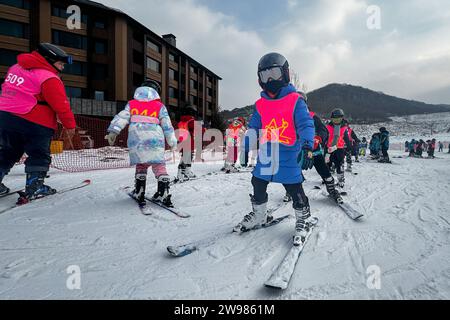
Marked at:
<point>274,73</point>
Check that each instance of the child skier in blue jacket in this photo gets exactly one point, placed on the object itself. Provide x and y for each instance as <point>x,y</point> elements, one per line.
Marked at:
<point>285,130</point>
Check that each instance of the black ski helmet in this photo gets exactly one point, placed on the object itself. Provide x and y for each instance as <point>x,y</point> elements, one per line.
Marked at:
<point>53,54</point>
<point>337,113</point>
<point>152,84</point>
<point>269,61</point>
<point>383,129</point>
<point>191,110</point>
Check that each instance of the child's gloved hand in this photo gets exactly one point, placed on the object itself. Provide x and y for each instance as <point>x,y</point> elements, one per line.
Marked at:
<point>332,149</point>
<point>111,137</point>
<point>306,158</point>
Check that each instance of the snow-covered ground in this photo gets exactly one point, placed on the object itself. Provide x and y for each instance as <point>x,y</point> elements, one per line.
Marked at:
<point>122,254</point>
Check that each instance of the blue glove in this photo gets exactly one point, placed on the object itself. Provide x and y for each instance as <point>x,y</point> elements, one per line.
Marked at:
<point>306,158</point>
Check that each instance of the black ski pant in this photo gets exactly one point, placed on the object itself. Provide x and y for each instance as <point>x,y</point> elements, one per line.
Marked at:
<point>296,192</point>
<point>19,136</point>
<point>348,155</point>
<point>321,167</point>
<point>337,158</point>
<point>385,153</point>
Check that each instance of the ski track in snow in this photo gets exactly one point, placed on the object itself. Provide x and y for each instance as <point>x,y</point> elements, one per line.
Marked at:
<point>122,254</point>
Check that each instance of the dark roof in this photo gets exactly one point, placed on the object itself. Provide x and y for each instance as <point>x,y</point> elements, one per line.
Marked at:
<point>178,51</point>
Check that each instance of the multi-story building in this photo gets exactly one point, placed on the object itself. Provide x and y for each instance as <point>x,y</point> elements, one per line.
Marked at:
<point>113,54</point>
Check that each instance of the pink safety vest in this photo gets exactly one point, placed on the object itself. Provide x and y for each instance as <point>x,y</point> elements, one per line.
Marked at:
<point>277,118</point>
<point>21,87</point>
<point>341,142</point>
<point>145,111</point>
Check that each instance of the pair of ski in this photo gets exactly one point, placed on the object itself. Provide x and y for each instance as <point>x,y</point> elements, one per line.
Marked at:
<point>346,207</point>
<point>280,278</point>
<point>146,210</point>
<point>80,185</point>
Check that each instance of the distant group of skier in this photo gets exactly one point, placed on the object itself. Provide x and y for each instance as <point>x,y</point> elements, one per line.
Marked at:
<point>416,148</point>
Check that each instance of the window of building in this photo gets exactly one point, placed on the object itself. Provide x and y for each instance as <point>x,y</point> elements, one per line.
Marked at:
<point>100,71</point>
<point>193,84</point>
<point>193,100</point>
<point>100,46</point>
<point>61,12</point>
<point>74,92</point>
<point>22,4</point>
<point>68,39</point>
<point>209,105</point>
<point>77,68</point>
<point>138,57</point>
<point>8,57</point>
<point>173,75</point>
<point>172,57</point>
<point>208,78</point>
<point>153,46</point>
<point>193,69</point>
<point>173,93</point>
<point>153,65</point>
<point>14,29</point>
<point>99,95</point>
<point>209,92</point>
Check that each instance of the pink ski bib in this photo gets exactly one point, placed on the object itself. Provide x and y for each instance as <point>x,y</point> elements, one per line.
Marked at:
<point>277,118</point>
<point>145,111</point>
<point>21,87</point>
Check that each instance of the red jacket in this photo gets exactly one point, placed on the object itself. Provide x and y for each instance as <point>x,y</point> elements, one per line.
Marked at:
<point>52,92</point>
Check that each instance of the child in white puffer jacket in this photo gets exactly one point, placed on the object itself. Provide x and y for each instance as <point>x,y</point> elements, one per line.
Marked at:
<point>150,126</point>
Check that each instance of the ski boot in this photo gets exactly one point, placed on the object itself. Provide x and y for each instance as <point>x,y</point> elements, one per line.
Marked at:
<point>303,224</point>
<point>287,197</point>
<point>188,172</point>
<point>139,188</point>
<point>3,189</point>
<point>181,175</point>
<point>349,167</point>
<point>256,218</point>
<point>329,184</point>
<point>231,168</point>
<point>162,195</point>
<point>35,188</point>
<point>341,180</point>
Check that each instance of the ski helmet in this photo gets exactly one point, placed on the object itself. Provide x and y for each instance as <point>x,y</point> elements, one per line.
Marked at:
<point>152,84</point>
<point>191,110</point>
<point>273,72</point>
<point>337,113</point>
<point>53,54</point>
<point>383,129</point>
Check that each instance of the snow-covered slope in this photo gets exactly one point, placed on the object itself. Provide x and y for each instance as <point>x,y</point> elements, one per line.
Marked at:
<point>423,126</point>
<point>122,254</point>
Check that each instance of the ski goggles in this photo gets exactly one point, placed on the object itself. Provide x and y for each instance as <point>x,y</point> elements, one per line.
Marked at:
<point>274,73</point>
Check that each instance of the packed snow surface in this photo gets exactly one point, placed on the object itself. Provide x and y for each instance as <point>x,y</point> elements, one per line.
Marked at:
<point>121,254</point>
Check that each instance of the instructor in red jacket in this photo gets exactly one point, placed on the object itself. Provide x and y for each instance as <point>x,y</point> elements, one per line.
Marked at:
<point>33,98</point>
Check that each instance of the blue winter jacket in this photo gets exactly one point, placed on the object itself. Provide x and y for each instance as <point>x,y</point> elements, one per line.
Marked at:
<point>283,168</point>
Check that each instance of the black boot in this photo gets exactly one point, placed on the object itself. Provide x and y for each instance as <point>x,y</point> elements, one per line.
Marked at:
<point>139,188</point>
<point>35,187</point>
<point>331,189</point>
<point>3,188</point>
<point>162,195</point>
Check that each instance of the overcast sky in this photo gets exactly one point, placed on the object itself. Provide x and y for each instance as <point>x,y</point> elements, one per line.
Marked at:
<point>325,41</point>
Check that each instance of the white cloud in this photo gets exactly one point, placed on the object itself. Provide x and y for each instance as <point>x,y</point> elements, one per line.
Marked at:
<point>325,42</point>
